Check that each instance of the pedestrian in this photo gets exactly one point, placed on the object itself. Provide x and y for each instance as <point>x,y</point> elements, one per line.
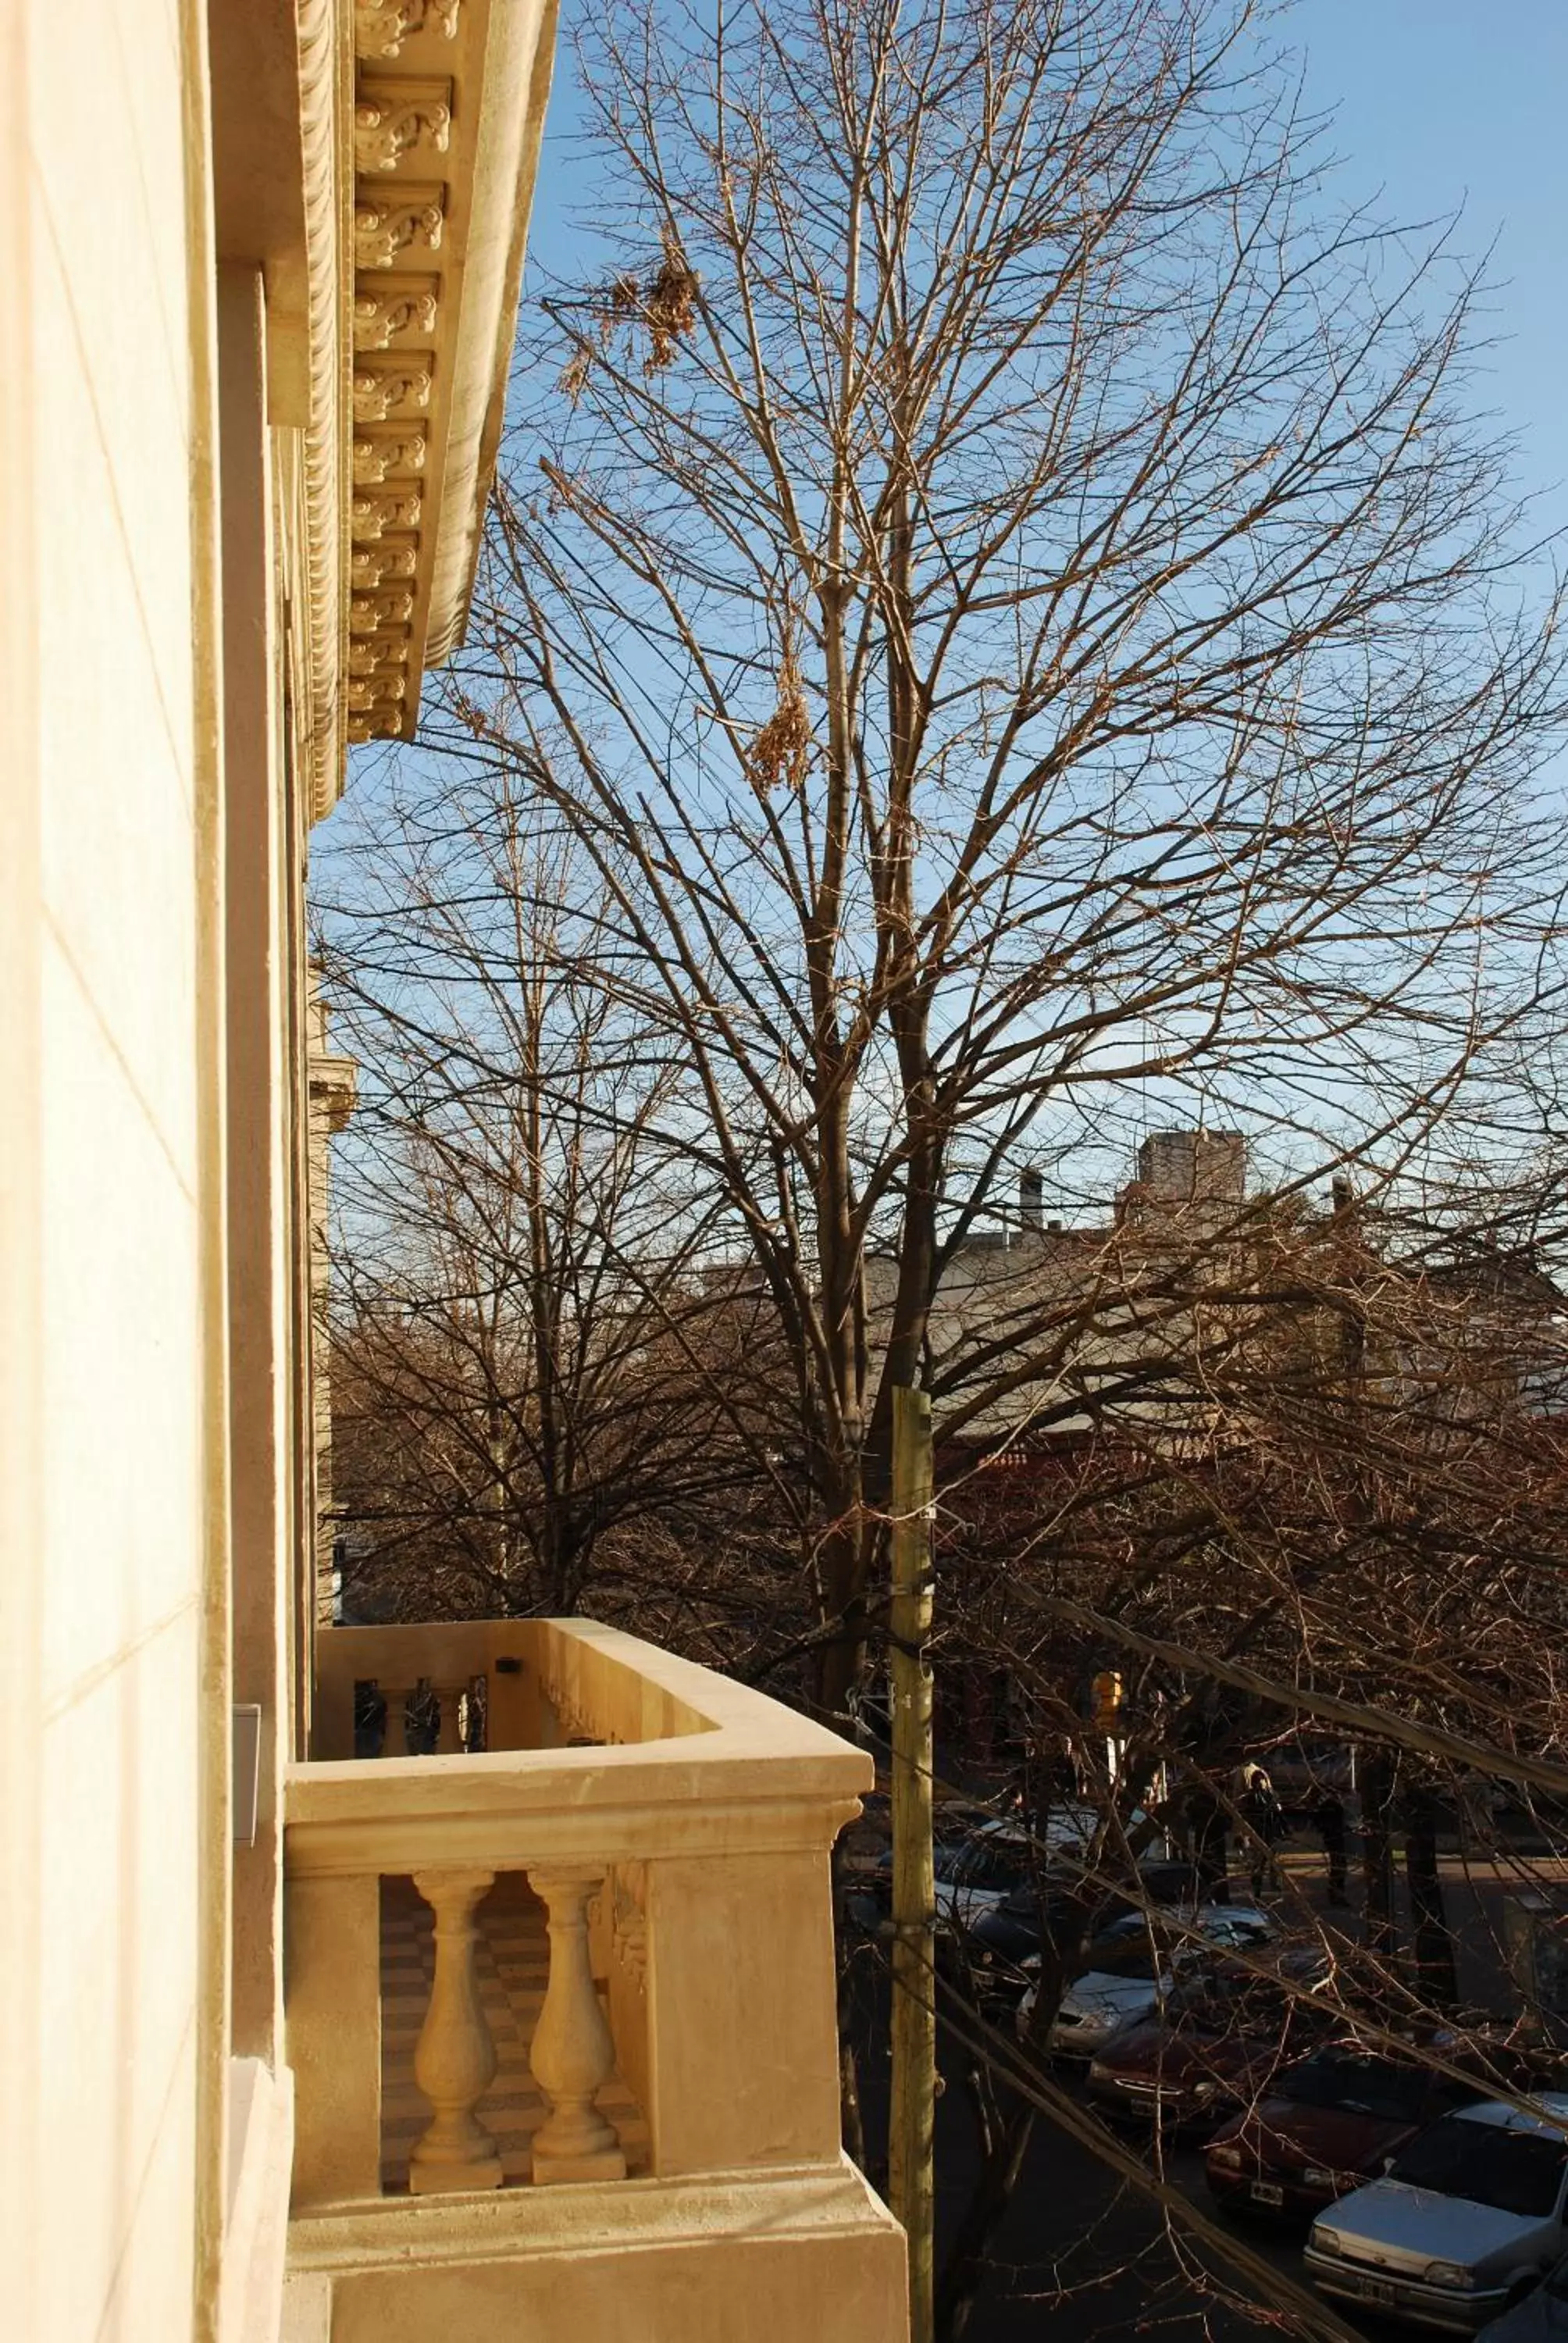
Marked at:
<point>1258,1807</point>
<point>1328,1815</point>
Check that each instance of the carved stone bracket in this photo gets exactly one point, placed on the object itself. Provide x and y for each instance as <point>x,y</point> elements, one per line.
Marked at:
<point>367,654</point>
<point>375,510</point>
<point>395,120</point>
<point>400,451</point>
<point>417,138</point>
<point>369,692</point>
<point>379,564</point>
<point>401,220</point>
<point>381,27</point>
<point>386,389</point>
<point>368,613</point>
<point>401,310</point>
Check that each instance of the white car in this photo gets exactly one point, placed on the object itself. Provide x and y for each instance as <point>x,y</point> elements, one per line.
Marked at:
<point>1465,2221</point>
<point>1128,1989</point>
<point>973,1875</point>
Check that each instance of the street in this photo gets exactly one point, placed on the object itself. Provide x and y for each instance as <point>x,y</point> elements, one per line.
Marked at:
<point>1086,2247</point>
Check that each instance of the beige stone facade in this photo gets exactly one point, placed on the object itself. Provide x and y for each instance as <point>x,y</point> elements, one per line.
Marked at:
<point>259,275</point>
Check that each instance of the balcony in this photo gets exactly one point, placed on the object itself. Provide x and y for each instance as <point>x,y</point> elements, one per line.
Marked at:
<point>561,2005</point>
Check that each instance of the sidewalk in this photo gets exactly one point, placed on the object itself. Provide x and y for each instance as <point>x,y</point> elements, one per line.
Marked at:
<point>1476,1892</point>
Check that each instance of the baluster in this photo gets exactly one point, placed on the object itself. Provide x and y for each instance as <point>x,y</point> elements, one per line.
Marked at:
<point>572,2054</point>
<point>455,2060</point>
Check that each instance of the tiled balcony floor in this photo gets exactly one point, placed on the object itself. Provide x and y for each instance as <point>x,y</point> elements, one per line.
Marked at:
<point>512,1960</point>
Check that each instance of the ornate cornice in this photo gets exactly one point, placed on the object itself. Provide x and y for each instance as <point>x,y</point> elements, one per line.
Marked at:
<point>447,106</point>
<point>321,72</point>
<point>519,51</point>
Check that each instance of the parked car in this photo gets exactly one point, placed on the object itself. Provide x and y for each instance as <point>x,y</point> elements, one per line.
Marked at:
<point>1005,1943</point>
<point>1467,2220</point>
<point>1542,2316</point>
<point>1215,2038</point>
<point>977,1858</point>
<point>1001,1857</point>
<point>1133,1963</point>
<point>974,1876</point>
<point>1325,2126</point>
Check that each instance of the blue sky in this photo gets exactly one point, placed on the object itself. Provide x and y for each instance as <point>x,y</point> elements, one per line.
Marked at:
<point>1448,102</point>
<point>1440,104</point>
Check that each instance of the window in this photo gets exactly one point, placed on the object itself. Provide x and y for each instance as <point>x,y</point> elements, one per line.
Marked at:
<point>1487,2164</point>
<point>987,1866</point>
<point>1361,2084</point>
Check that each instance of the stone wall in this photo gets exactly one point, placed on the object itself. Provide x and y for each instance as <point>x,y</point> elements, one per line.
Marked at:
<point>107,1100</point>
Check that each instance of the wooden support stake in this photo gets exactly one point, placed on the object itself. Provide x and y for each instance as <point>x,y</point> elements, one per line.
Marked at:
<point>910,2190</point>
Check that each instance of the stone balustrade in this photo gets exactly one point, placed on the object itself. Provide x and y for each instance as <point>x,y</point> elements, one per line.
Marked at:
<point>676,1829</point>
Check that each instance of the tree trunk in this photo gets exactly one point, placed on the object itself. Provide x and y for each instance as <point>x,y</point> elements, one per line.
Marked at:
<point>842,1576</point>
<point>1431,1937</point>
<point>910,2165</point>
<point>1377,1779</point>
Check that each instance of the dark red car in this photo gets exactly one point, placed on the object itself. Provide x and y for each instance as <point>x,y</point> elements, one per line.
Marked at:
<point>1219,2039</point>
<point>1326,2126</point>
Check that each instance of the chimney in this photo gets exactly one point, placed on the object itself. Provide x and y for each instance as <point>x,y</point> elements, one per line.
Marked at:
<point>1032,1198</point>
<point>1183,1167</point>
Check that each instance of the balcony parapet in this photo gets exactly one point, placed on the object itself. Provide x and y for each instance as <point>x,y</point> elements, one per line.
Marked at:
<point>674,1827</point>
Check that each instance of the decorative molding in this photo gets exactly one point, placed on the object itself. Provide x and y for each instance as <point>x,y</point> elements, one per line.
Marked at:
<point>395,451</point>
<point>327,432</point>
<point>389,388</point>
<point>398,119</point>
<point>495,172</point>
<point>445,156</point>
<point>381,27</point>
<point>403,220</point>
<point>404,308</point>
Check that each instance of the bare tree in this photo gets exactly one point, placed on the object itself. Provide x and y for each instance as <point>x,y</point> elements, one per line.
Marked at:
<point>1013,610</point>
<point>1015,615</point>
<point>539,1348</point>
